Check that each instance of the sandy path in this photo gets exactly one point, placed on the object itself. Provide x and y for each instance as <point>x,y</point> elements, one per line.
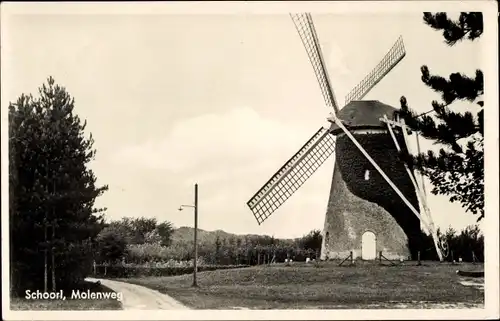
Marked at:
<point>477,283</point>
<point>136,297</point>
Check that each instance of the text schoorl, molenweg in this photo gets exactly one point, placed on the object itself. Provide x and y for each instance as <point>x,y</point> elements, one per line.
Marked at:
<point>42,295</point>
<point>75,295</point>
<point>87,295</point>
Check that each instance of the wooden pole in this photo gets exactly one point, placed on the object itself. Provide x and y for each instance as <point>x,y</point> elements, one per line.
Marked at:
<point>421,196</point>
<point>418,258</point>
<point>195,264</point>
<point>421,176</point>
<point>424,192</point>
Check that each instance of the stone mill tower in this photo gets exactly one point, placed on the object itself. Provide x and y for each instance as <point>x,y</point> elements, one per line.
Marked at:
<point>364,214</point>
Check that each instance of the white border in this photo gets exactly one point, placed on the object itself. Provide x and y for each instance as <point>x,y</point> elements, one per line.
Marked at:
<point>490,53</point>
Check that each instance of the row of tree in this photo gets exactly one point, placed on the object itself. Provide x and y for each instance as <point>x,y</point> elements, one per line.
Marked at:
<point>115,246</point>
<point>53,221</point>
<point>468,245</point>
<point>142,240</point>
<point>117,236</point>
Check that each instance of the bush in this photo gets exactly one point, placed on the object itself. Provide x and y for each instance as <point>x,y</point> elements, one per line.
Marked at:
<point>111,245</point>
<point>129,271</point>
<point>141,253</point>
<point>468,244</point>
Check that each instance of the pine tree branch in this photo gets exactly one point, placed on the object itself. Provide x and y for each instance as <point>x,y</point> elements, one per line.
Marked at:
<point>459,176</point>
<point>458,86</point>
<point>452,127</point>
<point>469,25</point>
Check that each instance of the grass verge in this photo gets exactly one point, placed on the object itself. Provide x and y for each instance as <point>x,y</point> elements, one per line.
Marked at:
<point>325,286</point>
<point>24,304</point>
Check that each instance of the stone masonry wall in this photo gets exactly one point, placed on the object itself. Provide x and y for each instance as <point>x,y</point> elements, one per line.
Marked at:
<point>358,204</point>
<point>349,216</point>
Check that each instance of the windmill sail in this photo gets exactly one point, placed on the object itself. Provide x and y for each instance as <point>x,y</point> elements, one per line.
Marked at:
<point>292,175</point>
<point>314,153</point>
<point>305,27</point>
<point>390,60</point>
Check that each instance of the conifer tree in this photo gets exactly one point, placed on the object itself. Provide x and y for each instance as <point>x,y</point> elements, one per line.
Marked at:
<point>457,170</point>
<point>52,217</point>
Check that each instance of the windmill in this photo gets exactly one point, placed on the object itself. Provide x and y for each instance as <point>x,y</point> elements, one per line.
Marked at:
<point>367,212</point>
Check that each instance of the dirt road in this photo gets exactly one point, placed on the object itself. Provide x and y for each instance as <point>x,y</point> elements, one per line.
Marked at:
<point>136,297</point>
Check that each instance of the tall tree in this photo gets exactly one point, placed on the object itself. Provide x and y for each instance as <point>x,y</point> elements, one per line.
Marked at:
<point>311,241</point>
<point>52,191</point>
<point>166,231</point>
<point>218,245</point>
<point>111,245</point>
<point>141,226</point>
<point>458,169</point>
<point>123,228</point>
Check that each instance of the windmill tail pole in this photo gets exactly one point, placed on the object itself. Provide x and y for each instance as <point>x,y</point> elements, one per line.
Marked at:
<point>387,179</point>
<point>424,196</point>
<point>420,195</point>
<point>422,192</point>
<point>421,176</point>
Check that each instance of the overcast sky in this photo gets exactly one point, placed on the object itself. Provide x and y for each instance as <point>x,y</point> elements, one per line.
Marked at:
<point>221,100</point>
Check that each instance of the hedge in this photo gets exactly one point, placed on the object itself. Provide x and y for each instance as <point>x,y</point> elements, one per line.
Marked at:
<point>120,271</point>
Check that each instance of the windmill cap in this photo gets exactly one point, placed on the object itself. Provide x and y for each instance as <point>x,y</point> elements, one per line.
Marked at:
<point>363,114</point>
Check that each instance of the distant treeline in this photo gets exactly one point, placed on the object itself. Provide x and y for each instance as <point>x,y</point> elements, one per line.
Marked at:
<point>142,241</point>
<point>467,245</point>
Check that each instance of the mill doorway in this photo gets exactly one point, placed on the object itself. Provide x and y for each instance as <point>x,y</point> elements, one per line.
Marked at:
<point>368,246</point>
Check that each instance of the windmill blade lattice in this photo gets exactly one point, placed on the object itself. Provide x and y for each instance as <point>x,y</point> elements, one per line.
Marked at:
<point>305,27</point>
<point>292,175</point>
<point>390,60</point>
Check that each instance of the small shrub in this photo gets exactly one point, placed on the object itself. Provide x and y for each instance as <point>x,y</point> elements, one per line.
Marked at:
<point>130,271</point>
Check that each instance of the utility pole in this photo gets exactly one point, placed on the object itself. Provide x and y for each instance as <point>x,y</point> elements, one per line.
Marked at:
<point>195,206</point>
<point>195,265</point>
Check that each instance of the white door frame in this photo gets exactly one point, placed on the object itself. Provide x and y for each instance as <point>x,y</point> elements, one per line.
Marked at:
<point>366,236</point>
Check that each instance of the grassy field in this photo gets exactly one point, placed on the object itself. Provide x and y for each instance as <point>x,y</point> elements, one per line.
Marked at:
<point>68,304</point>
<point>302,286</point>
